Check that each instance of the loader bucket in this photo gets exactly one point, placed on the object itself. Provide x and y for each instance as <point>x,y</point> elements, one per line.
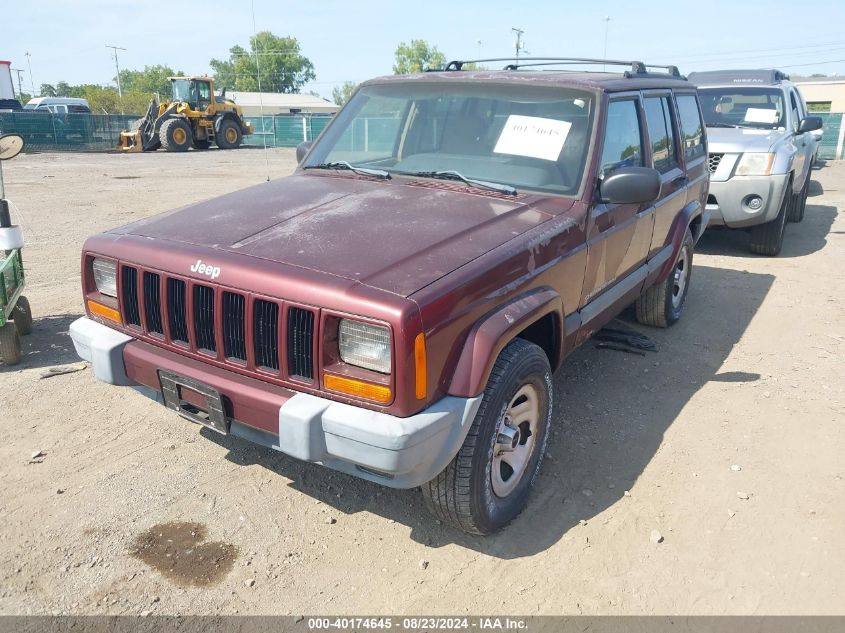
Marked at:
<point>130,142</point>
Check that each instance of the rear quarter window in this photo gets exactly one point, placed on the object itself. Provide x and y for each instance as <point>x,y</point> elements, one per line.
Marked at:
<point>692,127</point>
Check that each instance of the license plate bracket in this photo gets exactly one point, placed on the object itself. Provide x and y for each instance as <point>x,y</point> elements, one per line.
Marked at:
<point>212,416</point>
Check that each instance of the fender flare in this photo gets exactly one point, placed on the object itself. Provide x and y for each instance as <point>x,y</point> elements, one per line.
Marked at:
<point>682,221</point>
<point>489,336</point>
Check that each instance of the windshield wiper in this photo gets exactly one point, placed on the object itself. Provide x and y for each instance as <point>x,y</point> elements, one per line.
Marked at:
<point>454,175</point>
<point>719,124</point>
<point>342,164</point>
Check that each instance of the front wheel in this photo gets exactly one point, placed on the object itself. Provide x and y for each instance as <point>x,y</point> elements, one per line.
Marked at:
<point>10,344</point>
<point>487,483</point>
<point>228,134</point>
<point>175,135</point>
<point>799,205</point>
<point>767,239</point>
<point>662,304</point>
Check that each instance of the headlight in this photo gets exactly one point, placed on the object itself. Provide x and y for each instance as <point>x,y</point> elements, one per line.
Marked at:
<point>105,276</point>
<point>752,164</point>
<point>364,345</point>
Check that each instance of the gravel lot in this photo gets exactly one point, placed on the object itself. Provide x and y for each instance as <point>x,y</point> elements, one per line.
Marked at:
<point>728,442</point>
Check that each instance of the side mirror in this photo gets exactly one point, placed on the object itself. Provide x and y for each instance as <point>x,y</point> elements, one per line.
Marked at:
<point>302,150</point>
<point>630,185</point>
<point>10,145</point>
<point>809,124</point>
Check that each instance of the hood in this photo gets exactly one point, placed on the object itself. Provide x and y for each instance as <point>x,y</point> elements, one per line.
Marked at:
<point>739,140</point>
<point>391,235</point>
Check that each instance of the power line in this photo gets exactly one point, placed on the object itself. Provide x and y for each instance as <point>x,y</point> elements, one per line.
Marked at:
<point>117,68</point>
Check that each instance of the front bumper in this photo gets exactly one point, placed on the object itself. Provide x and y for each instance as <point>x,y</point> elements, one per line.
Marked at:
<point>395,452</point>
<point>728,200</point>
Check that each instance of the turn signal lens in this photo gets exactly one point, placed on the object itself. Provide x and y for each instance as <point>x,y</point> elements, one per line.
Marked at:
<point>357,388</point>
<point>104,311</point>
<point>420,363</point>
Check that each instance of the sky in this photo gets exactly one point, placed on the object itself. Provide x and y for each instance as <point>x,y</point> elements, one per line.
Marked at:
<point>353,40</point>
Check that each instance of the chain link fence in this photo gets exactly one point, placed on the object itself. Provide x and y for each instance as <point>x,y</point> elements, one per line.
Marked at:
<point>77,132</point>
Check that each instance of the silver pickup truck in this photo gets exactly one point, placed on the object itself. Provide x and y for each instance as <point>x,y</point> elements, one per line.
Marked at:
<point>760,149</point>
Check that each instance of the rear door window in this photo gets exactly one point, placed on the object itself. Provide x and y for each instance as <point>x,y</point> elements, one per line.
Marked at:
<point>623,145</point>
<point>661,133</point>
<point>692,128</point>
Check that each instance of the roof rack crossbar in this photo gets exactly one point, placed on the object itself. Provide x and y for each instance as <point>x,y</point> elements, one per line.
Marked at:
<point>637,67</point>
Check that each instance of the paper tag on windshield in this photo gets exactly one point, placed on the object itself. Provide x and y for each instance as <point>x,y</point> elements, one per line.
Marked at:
<point>761,115</point>
<point>532,136</point>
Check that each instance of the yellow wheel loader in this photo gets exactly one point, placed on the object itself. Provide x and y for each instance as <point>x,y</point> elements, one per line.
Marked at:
<point>193,117</point>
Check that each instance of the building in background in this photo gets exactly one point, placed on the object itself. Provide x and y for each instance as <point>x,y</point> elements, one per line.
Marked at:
<point>823,94</point>
<point>8,101</point>
<point>272,103</point>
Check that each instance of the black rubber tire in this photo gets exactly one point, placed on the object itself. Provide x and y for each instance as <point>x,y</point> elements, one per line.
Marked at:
<point>462,495</point>
<point>799,205</point>
<point>222,128</point>
<point>169,129</point>
<point>10,344</point>
<point>22,315</point>
<point>655,306</point>
<point>201,144</point>
<point>767,239</point>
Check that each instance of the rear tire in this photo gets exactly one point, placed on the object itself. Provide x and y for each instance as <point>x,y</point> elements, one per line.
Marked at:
<point>228,134</point>
<point>10,344</point>
<point>175,135</point>
<point>767,239</point>
<point>22,315</point>
<point>799,205</point>
<point>488,482</point>
<point>662,304</point>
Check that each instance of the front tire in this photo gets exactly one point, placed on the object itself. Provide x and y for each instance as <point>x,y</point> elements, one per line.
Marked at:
<point>488,482</point>
<point>799,205</point>
<point>662,304</point>
<point>175,135</point>
<point>10,344</point>
<point>767,239</point>
<point>228,134</point>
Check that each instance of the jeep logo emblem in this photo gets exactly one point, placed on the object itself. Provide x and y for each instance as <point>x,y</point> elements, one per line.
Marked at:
<point>206,269</point>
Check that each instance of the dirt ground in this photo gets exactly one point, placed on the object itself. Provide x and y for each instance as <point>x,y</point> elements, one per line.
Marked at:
<point>744,399</point>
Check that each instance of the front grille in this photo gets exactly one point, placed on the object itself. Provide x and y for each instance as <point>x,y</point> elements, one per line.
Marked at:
<point>177,310</point>
<point>204,318</point>
<point>234,337</point>
<point>152,303</point>
<point>131,313</point>
<point>265,318</point>
<point>713,161</point>
<point>300,341</point>
<point>234,328</point>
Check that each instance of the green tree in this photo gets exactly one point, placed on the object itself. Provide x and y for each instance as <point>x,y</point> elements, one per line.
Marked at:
<point>151,79</point>
<point>282,66</point>
<point>341,93</point>
<point>48,90</point>
<point>417,57</point>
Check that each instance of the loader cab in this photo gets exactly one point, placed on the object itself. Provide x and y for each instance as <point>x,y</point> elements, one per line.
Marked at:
<point>196,92</point>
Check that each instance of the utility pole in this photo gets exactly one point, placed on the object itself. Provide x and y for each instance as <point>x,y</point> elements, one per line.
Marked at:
<point>606,28</point>
<point>117,68</point>
<point>518,44</point>
<point>19,71</point>
<point>31,82</point>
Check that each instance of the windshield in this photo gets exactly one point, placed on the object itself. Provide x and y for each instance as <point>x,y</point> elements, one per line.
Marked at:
<point>526,137</point>
<point>182,90</point>
<point>743,107</point>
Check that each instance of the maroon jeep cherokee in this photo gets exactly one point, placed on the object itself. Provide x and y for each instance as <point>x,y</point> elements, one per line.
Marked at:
<point>395,308</point>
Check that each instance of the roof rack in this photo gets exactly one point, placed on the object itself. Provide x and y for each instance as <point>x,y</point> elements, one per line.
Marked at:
<point>637,68</point>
